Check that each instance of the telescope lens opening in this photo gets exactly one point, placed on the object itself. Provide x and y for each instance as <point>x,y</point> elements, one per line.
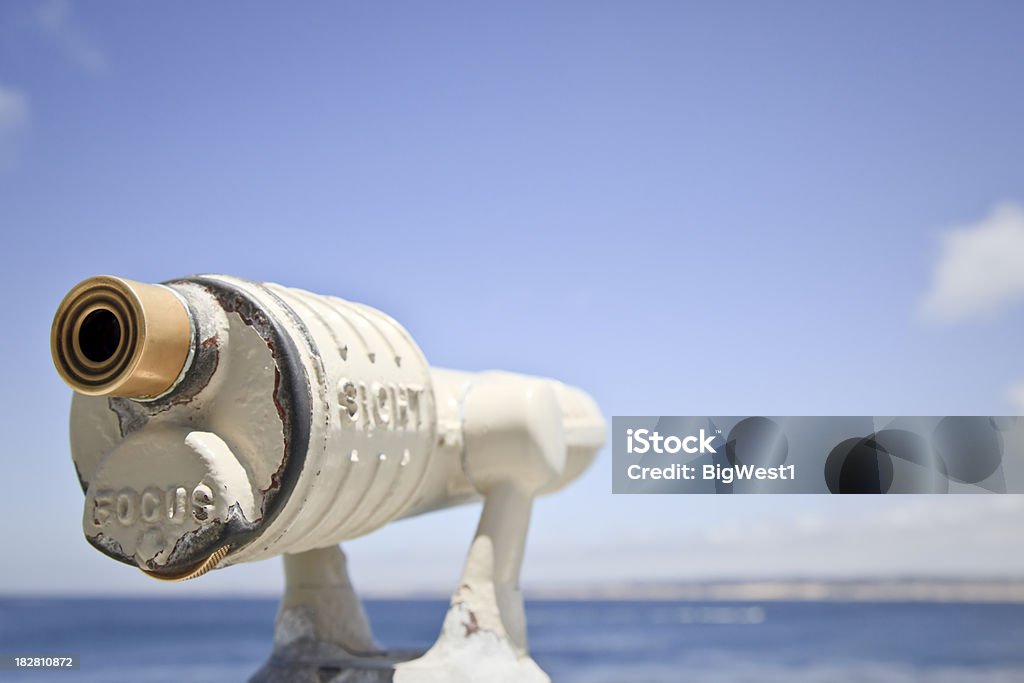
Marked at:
<point>114,337</point>
<point>99,336</point>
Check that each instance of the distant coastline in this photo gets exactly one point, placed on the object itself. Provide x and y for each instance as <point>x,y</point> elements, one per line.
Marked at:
<point>777,590</point>
<point>841,590</point>
<point>877,590</point>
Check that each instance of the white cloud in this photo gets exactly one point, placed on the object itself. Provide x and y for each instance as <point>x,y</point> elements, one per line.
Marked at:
<point>56,21</point>
<point>15,112</point>
<point>1016,395</point>
<point>980,270</point>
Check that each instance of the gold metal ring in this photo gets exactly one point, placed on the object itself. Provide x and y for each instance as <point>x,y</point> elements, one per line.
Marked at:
<point>116,337</point>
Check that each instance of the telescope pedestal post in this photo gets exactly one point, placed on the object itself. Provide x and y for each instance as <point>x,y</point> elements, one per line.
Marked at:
<point>321,632</point>
<point>514,446</point>
<point>483,638</point>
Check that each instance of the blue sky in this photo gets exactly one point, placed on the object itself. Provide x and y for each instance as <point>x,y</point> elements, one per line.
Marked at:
<point>727,208</point>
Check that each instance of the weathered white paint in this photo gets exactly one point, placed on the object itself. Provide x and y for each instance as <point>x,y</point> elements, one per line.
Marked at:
<point>170,481</point>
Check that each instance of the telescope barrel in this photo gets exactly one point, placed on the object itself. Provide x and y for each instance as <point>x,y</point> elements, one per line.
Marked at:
<point>218,420</point>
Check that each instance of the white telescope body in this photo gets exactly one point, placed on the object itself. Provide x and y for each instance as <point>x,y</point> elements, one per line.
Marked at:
<point>269,420</point>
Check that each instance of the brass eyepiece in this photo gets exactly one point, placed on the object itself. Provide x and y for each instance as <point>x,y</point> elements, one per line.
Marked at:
<point>116,337</point>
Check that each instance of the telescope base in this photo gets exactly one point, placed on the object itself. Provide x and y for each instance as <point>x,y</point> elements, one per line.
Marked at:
<point>467,653</point>
<point>355,669</point>
<point>463,654</point>
<point>378,669</point>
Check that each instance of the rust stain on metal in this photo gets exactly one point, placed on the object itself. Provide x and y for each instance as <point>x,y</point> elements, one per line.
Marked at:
<point>133,415</point>
<point>471,626</point>
<point>253,317</point>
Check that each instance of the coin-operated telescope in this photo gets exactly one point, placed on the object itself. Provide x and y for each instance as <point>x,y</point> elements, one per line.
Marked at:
<point>217,421</point>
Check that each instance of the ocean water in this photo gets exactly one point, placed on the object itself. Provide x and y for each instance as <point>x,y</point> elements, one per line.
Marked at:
<point>576,642</point>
